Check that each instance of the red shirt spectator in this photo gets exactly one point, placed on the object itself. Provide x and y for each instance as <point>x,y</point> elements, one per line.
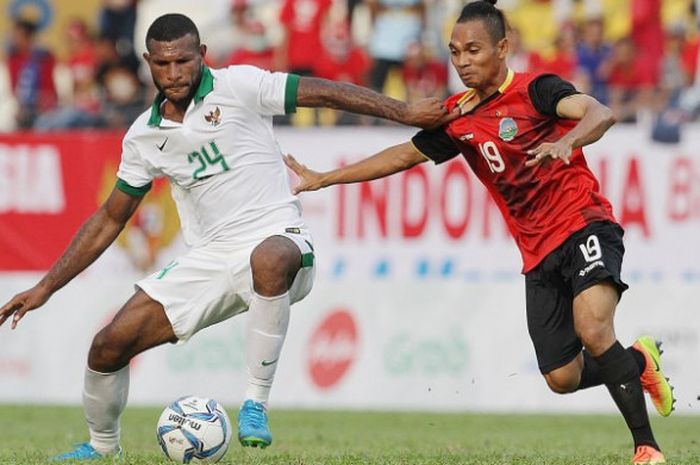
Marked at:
<point>341,60</point>
<point>256,50</point>
<point>302,20</point>
<point>689,57</point>
<point>648,35</point>
<point>31,74</point>
<point>564,61</point>
<point>628,70</point>
<point>423,76</point>
<point>82,62</point>
<point>561,64</point>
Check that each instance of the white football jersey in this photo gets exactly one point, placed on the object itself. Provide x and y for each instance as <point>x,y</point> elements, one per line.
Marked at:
<point>224,165</point>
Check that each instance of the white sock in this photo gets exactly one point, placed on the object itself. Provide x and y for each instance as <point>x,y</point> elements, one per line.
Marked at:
<point>104,399</point>
<point>268,320</point>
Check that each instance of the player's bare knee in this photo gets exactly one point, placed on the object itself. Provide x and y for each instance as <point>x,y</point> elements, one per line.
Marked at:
<point>562,384</point>
<point>106,354</point>
<point>274,264</point>
<point>597,337</point>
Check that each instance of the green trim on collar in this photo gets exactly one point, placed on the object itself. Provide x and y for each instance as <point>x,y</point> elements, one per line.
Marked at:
<point>156,117</point>
<point>131,190</point>
<point>291,90</point>
<point>206,85</point>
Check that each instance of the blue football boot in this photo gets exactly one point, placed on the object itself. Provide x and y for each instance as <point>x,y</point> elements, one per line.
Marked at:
<point>252,425</point>
<point>85,451</point>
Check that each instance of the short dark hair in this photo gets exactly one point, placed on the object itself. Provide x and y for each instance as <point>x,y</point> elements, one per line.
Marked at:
<point>170,27</point>
<point>486,11</point>
<point>27,26</point>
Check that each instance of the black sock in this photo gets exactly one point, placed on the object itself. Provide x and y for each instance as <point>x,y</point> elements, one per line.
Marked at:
<point>590,375</point>
<point>638,357</point>
<point>620,373</point>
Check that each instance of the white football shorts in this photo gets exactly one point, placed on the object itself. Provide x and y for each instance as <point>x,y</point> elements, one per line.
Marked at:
<point>214,282</point>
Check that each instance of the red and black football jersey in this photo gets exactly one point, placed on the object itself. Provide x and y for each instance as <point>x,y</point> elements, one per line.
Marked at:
<point>544,204</point>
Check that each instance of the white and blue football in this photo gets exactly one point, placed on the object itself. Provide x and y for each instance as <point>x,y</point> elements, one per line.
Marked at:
<point>194,429</point>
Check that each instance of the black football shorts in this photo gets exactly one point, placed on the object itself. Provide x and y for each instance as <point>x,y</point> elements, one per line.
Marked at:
<point>589,256</point>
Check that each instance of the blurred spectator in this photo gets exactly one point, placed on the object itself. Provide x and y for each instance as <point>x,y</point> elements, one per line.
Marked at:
<point>122,93</point>
<point>228,36</point>
<point>82,63</point>
<point>519,59</point>
<point>536,21</point>
<point>423,76</point>
<point>82,109</point>
<point>630,83</point>
<point>674,76</point>
<point>689,57</point>
<point>123,96</point>
<point>672,84</point>
<point>108,57</point>
<point>648,35</point>
<point>562,61</point>
<point>256,49</point>
<point>117,22</point>
<point>302,21</point>
<point>341,59</point>
<point>351,5</point>
<point>591,52</point>
<point>396,24</point>
<point>31,74</point>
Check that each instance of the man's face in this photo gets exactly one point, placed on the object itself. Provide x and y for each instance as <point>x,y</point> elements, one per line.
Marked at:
<point>176,66</point>
<point>21,39</point>
<point>474,55</point>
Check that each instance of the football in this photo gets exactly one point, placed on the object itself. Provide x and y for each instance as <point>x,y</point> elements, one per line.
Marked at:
<point>194,429</point>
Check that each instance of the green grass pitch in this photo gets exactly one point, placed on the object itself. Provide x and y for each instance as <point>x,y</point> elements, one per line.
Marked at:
<point>29,434</point>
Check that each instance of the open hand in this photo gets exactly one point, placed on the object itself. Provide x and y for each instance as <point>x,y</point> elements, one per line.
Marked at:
<point>429,113</point>
<point>23,303</point>
<point>559,149</point>
<point>309,180</point>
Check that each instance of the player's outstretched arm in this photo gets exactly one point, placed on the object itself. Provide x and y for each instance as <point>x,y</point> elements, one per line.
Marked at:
<point>594,119</point>
<point>427,113</point>
<point>389,161</point>
<point>93,237</point>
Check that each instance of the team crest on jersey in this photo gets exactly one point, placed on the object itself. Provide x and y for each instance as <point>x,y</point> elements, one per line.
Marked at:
<point>214,117</point>
<point>507,129</point>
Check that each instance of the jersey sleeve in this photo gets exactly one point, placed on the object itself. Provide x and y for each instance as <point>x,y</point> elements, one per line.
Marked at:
<point>435,144</point>
<point>547,90</point>
<point>264,92</point>
<point>133,176</point>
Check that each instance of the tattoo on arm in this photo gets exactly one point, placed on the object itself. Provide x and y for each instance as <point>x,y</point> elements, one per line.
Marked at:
<point>315,92</point>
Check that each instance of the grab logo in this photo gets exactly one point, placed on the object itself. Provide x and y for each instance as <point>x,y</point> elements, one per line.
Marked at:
<point>332,348</point>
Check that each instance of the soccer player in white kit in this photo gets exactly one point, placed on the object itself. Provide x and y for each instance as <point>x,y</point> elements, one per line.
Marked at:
<point>209,131</point>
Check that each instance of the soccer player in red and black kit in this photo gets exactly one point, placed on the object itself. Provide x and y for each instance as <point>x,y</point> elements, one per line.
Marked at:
<point>522,135</point>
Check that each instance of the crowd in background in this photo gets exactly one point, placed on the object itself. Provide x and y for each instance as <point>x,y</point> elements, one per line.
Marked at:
<point>394,46</point>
